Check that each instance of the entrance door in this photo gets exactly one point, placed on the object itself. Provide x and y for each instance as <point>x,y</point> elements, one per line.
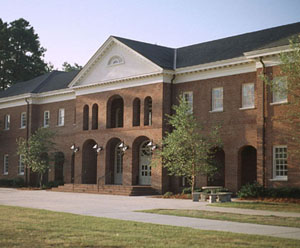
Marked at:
<point>144,164</point>
<point>118,168</point>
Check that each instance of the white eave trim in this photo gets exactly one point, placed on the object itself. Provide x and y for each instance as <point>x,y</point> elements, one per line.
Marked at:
<point>267,52</point>
<point>118,80</point>
<point>214,65</point>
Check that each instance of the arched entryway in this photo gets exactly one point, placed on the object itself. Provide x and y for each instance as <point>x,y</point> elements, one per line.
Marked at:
<point>115,112</point>
<point>142,155</point>
<point>89,163</point>
<point>218,179</point>
<point>247,161</point>
<point>59,159</point>
<point>114,162</point>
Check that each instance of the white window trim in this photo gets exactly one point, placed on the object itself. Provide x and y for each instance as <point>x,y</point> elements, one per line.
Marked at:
<point>189,94</point>
<point>277,178</point>
<point>214,110</point>
<point>245,108</point>
<point>44,124</point>
<point>278,103</point>
<point>23,126</point>
<point>252,106</point>
<point>7,122</point>
<point>19,167</point>
<point>59,115</point>
<point>115,57</point>
<point>5,172</point>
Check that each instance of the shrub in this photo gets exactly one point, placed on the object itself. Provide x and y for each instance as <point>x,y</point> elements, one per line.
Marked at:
<point>18,182</point>
<point>187,191</point>
<point>6,182</point>
<point>256,190</point>
<point>167,194</point>
<point>52,184</point>
<point>251,190</point>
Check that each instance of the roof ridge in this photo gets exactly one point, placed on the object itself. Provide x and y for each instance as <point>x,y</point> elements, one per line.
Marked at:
<point>147,43</point>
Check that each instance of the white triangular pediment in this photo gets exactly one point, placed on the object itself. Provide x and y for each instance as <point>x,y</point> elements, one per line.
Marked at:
<point>114,61</point>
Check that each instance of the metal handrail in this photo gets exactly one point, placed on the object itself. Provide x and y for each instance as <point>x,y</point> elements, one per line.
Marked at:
<point>100,178</point>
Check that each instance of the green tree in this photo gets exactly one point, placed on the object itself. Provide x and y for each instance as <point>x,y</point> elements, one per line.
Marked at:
<point>188,150</point>
<point>21,55</point>
<point>290,73</point>
<point>37,151</point>
<point>68,67</point>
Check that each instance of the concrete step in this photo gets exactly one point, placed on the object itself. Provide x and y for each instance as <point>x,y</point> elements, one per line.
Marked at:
<point>133,190</point>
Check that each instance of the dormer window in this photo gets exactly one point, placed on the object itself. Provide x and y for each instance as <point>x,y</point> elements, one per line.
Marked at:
<point>115,60</point>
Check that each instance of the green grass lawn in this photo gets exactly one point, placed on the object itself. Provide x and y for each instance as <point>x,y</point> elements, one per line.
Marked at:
<point>30,228</point>
<point>271,206</point>
<point>264,220</point>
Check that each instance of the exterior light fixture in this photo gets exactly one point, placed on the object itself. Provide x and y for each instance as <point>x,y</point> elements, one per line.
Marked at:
<point>152,146</point>
<point>123,146</point>
<point>97,148</point>
<point>74,148</point>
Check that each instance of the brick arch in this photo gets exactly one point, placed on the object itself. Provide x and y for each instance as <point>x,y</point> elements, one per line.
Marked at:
<point>247,165</point>
<point>95,116</point>
<point>110,159</point>
<point>148,111</point>
<point>115,112</point>
<point>136,112</point>
<point>218,155</point>
<point>85,117</point>
<point>135,158</point>
<point>89,162</point>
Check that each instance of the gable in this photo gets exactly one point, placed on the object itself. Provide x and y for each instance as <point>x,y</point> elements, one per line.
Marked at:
<point>115,62</point>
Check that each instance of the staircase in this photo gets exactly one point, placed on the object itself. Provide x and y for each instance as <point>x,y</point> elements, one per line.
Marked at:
<point>135,190</point>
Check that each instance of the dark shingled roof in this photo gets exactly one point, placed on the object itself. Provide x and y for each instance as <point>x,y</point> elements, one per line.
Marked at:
<point>162,56</point>
<point>235,46</point>
<point>212,51</point>
<point>54,80</point>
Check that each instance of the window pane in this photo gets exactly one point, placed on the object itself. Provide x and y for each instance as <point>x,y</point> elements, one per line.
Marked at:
<point>280,89</point>
<point>248,95</point>
<point>217,99</point>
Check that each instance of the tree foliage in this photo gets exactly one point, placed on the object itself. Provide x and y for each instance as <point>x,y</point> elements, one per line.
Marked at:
<point>290,70</point>
<point>37,151</point>
<point>188,150</point>
<point>68,67</point>
<point>21,55</point>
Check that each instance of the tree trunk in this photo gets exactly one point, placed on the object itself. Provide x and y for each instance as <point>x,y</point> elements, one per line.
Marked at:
<point>193,179</point>
<point>41,179</point>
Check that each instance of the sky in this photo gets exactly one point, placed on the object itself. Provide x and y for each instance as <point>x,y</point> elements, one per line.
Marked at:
<point>73,30</point>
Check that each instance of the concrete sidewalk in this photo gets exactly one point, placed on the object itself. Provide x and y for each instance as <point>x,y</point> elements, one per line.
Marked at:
<point>123,207</point>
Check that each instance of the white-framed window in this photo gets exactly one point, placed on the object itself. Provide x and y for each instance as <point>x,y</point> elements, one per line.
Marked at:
<point>5,164</point>
<point>61,117</point>
<point>248,95</point>
<point>279,89</point>
<point>188,97</point>
<point>217,99</point>
<point>280,169</point>
<point>7,122</point>
<point>46,118</point>
<point>21,166</point>
<point>23,120</point>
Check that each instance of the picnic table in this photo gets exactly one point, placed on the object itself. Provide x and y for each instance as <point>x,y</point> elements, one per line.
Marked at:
<point>212,194</point>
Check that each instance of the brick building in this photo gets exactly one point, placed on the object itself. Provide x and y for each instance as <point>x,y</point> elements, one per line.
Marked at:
<point>110,110</point>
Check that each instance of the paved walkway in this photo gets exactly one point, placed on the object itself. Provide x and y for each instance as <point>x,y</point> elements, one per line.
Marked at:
<point>123,207</point>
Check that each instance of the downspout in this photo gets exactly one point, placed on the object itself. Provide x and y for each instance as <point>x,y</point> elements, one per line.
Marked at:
<point>264,123</point>
<point>172,81</point>
<point>27,137</point>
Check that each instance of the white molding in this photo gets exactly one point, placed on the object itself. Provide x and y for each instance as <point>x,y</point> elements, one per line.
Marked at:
<point>116,85</point>
<point>214,72</point>
<point>214,65</point>
<point>267,52</point>
<point>247,108</point>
